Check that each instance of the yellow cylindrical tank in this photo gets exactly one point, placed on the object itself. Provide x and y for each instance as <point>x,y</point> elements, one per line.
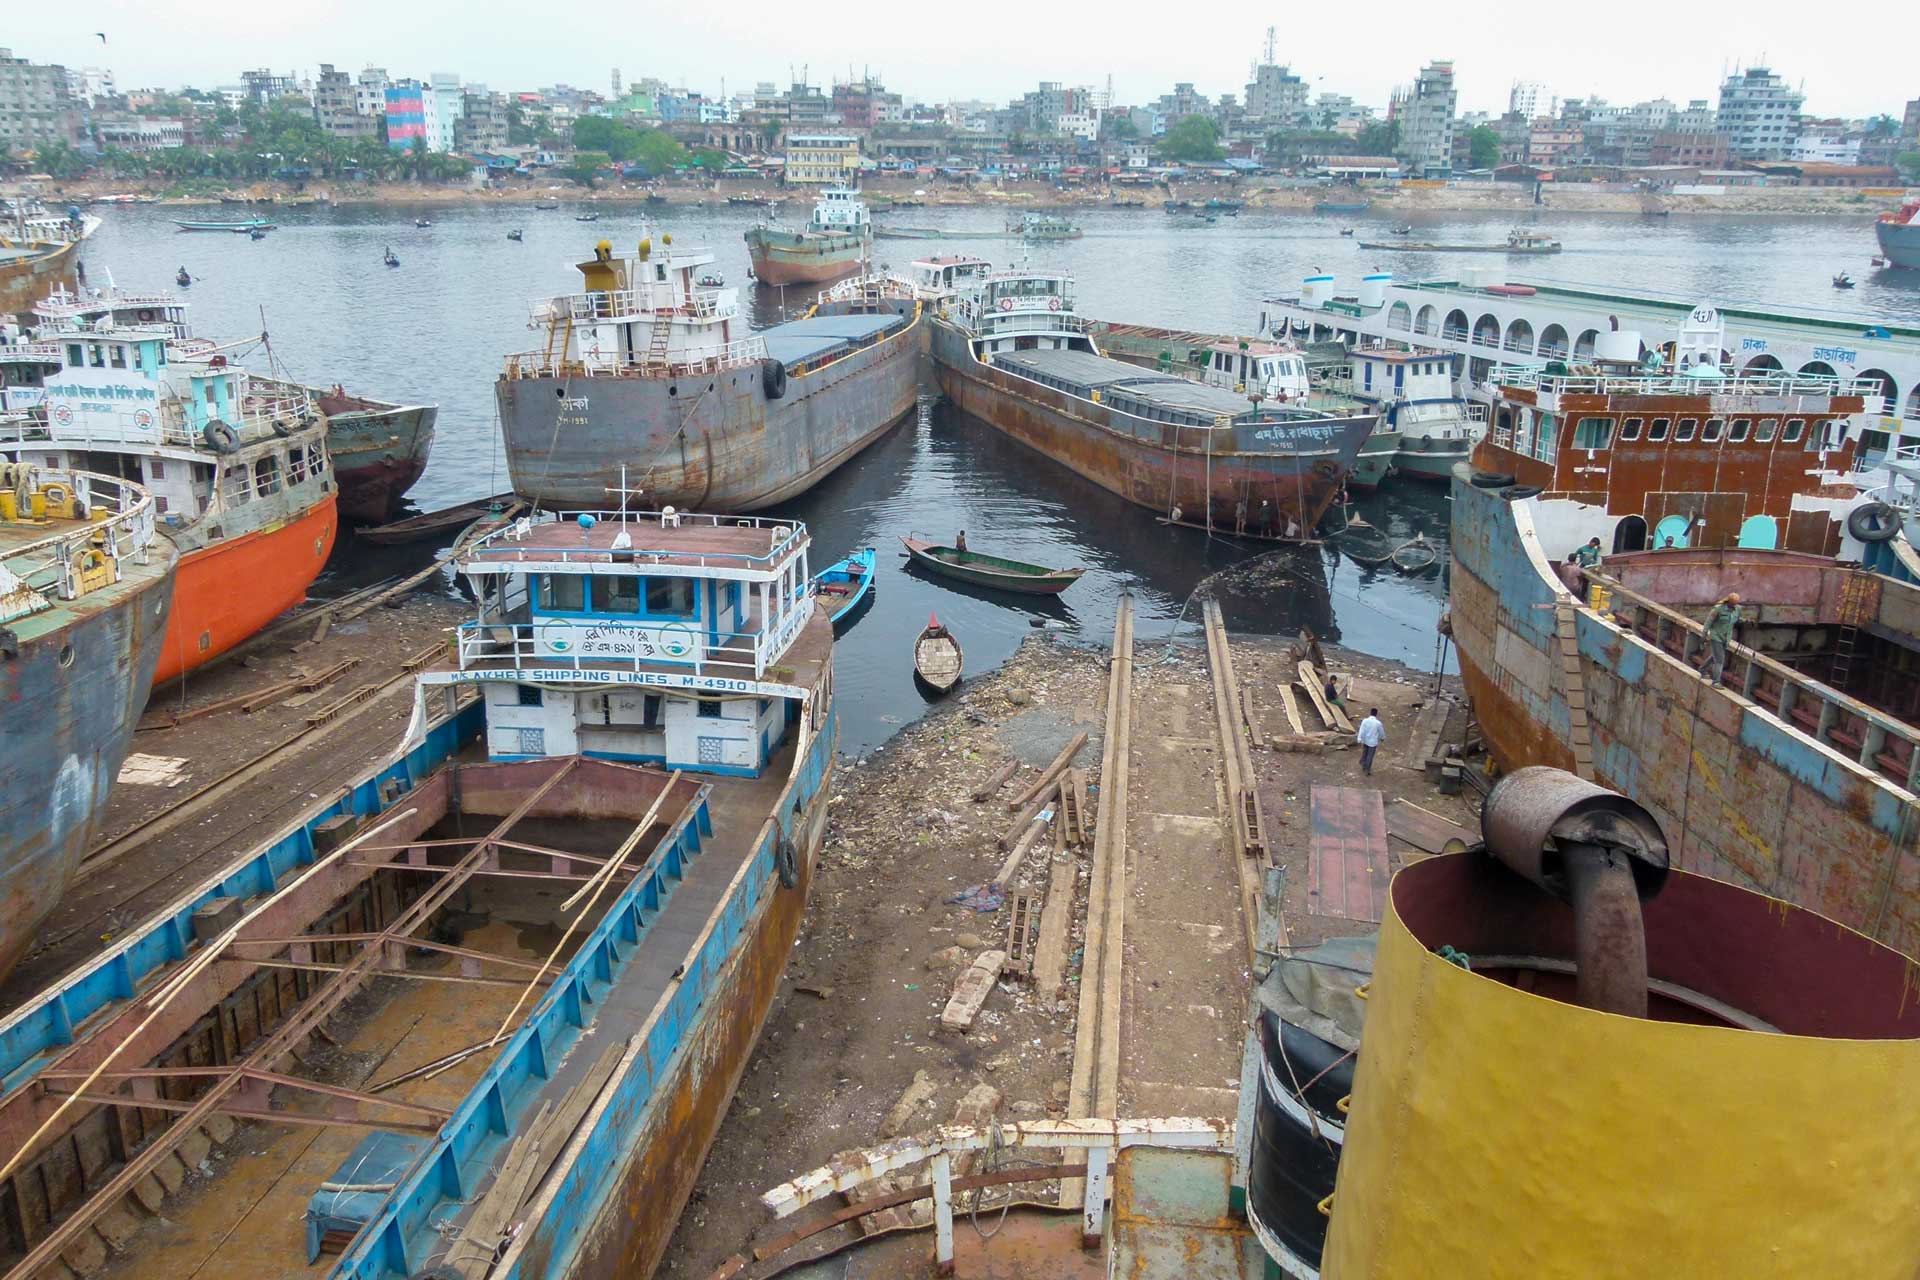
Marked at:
<point>1761,1121</point>
<point>9,505</point>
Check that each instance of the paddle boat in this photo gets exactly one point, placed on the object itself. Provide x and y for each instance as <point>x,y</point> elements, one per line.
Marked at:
<point>936,656</point>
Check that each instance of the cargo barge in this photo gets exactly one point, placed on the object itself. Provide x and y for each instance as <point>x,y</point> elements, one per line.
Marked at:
<point>85,585</point>
<point>1014,354</point>
<point>837,241</point>
<point>39,255</point>
<point>650,381</point>
<point>485,1011</point>
<point>1795,775</point>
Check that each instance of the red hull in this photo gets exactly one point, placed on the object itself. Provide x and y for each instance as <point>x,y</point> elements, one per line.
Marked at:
<point>225,593</point>
<point>770,272</point>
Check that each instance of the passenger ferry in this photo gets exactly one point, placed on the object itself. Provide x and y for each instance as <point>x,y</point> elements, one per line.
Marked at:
<point>484,1013</point>
<point>1042,225</point>
<point>1014,353</point>
<point>1488,320</point>
<point>648,374</point>
<point>838,239</point>
<point>239,474</point>
<point>1797,774</point>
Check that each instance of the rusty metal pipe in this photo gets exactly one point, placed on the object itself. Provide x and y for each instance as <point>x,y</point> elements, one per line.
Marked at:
<point>1609,936</point>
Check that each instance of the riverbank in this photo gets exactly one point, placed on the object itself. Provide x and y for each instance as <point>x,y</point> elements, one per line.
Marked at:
<point>1516,199</point>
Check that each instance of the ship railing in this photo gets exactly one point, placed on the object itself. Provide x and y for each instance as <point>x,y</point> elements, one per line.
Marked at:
<point>523,646</point>
<point>653,534</point>
<point>1877,742</point>
<point>1086,1151</point>
<point>1674,383</point>
<point>121,524</point>
<point>546,364</point>
<point>35,352</point>
<point>634,304</point>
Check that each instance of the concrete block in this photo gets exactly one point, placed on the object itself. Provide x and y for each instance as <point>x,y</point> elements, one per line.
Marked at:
<point>217,1127</point>
<point>211,919</point>
<point>117,1225</point>
<point>170,1171</point>
<point>330,833</point>
<point>194,1148</point>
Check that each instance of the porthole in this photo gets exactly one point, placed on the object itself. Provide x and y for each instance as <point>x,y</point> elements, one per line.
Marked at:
<point>66,656</point>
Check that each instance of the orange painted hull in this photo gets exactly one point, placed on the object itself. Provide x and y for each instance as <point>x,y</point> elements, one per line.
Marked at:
<point>225,593</point>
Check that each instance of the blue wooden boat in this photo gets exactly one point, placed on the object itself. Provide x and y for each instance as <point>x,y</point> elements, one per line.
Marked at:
<point>242,227</point>
<point>589,878</point>
<point>842,587</point>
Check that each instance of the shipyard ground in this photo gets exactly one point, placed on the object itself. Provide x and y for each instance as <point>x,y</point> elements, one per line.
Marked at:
<point>854,1051</point>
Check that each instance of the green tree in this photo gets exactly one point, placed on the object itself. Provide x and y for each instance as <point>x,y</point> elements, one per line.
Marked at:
<point>1286,147</point>
<point>519,132</point>
<point>1119,127</point>
<point>1379,138</point>
<point>586,166</point>
<point>1193,139</point>
<point>1908,163</point>
<point>770,133</point>
<point>709,159</point>
<point>1483,147</point>
<point>60,160</point>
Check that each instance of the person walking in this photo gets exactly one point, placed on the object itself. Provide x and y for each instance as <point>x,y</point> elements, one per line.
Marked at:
<point>1370,735</point>
<point>1720,624</point>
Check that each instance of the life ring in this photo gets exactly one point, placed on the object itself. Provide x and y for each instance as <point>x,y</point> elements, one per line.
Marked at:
<point>786,860</point>
<point>1873,522</point>
<point>220,437</point>
<point>1053,304</point>
<point>146,314</point>
<point>1006,304</point>
<point>1490,480</point>
<point>773,378</point>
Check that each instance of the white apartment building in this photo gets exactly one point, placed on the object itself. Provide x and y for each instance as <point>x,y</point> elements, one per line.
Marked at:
<point>1759,114</point>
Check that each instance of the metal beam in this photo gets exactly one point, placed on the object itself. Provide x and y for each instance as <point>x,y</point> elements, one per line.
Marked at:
<point>266,1115</point>
<point>504,872</point>
<point>276,1079</point>
<point>422,944</point>
<point>418,975</point>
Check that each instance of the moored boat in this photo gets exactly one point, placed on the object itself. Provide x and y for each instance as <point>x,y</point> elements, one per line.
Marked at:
<point>649,381</point>
<point>834,243</point>
<point>39,254</point>
<point>1015,354</point>
<point>242,226</point>
<point>240,475</point>
<point>431,523</point>
<point>1521,242</point>
<point>590,877</point>
<point>85,584</point>
<point>982,570</point>
<point>1432,427</point>
<point>937,659</point>
<point>1040,224</point>
<point>1898,234</point>
<point>844,586</point>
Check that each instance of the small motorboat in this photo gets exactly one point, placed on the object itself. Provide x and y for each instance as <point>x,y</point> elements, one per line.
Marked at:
<point>423,222</point>
<point>990,571</point>
<point>1404,229</point>
<point>1346,231</point>
<point>514,234</point>
<point>842,587</point>
<point>713,280</point>
<point>586,217</point>
<point>1843,281</point>
<point>390,259</point>
<point>182,279</point>
<point>546,204</point>
<point>936,656</point>
<point>430,523</point>
<point>256,233</point>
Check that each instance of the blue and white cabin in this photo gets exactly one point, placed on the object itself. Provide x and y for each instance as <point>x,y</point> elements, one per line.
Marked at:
<point>665,638</point>
<point>1415,389</point>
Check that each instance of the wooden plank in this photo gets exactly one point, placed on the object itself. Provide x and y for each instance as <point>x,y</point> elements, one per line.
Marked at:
<point>998,780</point>
<point>1056,916</point>
<point>1077,783</point>
<point>1019,929</point>
<point>975,985</point>
<point>1347,848</point>
<point>1011,866</point>
<point>1293,710</point>
<point>1316,687</point>
<point>480,1240</point>
<point>1052,771</point>
<point>1424,829</point>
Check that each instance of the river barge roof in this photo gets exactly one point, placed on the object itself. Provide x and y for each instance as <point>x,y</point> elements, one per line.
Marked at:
<point>1082,373</point>
<point>816,336</point>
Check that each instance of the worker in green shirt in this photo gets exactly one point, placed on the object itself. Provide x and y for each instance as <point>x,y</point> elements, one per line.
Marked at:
<point>1588,556</point>
<point>1720,624</point>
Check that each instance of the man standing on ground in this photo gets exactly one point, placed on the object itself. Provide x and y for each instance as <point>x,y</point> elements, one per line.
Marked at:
<point>1720,624</point>
<point>1370,735</point>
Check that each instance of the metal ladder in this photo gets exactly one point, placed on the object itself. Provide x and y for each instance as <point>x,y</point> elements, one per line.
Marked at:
<point>1579,734</point>
<point>559,339</point>
<point>657,342</point>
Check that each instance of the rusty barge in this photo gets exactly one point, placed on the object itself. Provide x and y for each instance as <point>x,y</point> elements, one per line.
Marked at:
<point>484,1011</point>
<point>649,380</point>
<point>1796,774</point>
<point>40,254</point>
<point>1013,353</point>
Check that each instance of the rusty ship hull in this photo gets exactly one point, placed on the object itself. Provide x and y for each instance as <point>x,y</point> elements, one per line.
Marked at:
<point>378,451</point>
<point>1155,465</point>
<point>27,276</point>
<point>804,257</point>
<point>713,441</point>
<point>1772,786</point>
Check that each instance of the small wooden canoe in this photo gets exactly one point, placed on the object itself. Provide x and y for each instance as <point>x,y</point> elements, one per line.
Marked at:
<point>936,656</point>
<point>841,587</point>
<point>429,523</point>
<point>991,571</point>
<point>1415,554</point>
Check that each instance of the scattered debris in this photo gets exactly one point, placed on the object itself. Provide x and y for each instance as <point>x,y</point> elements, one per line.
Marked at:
<point>972,990</point>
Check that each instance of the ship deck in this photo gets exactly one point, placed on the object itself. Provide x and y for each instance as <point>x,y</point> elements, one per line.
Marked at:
<point>1165,397</point>
<point>243,1216</point>
<point>689,546</point>
<point>19,554</point>
<point>804,341</point>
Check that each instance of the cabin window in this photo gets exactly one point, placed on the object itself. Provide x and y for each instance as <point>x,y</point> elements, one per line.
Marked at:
<point>670,596</point>
<point>1713,429</point>
<point>266,475</point>
<point>296,465</point>
<point>117,356</point>
<point>156,469</point>
<point>616,594</point>
<point>1738,432</point>
<point>1658,431</point>
<point>531,695</point>
<point>1630,429</point>
<point>563,592</point>
<point>75,355</point>
<point>709,709</point>
<point>96,356</point>
<point>1796,428</point>
<point>1686,429</point>
<point>1593,433</point>
<point>1763,434</point>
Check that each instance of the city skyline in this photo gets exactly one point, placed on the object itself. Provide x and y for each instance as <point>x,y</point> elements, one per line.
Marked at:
<point>752,42</point>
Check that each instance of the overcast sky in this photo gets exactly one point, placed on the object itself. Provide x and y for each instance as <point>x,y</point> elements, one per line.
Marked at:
<point>933,52</point>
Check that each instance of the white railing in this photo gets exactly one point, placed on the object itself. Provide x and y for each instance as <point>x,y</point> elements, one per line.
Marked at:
<point>636,305</point>
<point>39,351</point>
<point>547,364</point>
<point>857,288</point>
<point>510,543</point>
<point>251,426</point>
<point>522,646</point>
<point>53,563</point>
<point>1674,383</point>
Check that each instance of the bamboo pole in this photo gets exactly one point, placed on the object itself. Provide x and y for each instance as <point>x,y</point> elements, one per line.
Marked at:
<point>1052,771</point>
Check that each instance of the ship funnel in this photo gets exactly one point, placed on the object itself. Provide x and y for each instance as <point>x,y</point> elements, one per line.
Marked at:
<point>1373,288</point>
<point>1316,291</point>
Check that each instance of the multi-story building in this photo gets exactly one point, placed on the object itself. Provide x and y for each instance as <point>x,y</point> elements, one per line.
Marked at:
<point>822,159</point>
<point>1528,99</point>
<point>445,102</point>
<point>138,133</point>
<point>37,105</point>
<point>862,104</point>
<point>90,84</point>
<point>1698,116</point>
<point>370,92</point>
<point>806,107</point>
<point>1340,113</point>
<point>482,127</point>
<point>1549,142</point>
<point>1278,98</point>
<point>263,86</point>
<point>336,105</point>
<point>1426,114</point>
<point>1760,114</point>
<point>1181,103</point>
<point>1084,125</point>
<point>1826,142</point>
<point>1702,148</point>
<point>407,115</point>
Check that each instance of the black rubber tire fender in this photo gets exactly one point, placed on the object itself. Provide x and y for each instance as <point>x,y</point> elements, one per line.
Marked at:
<point>1514,493</point>
<point>773,378</point>
<point>1873,522</point>
<point>786,861</point>
<point>1490,480</point>
<point>220,437</point>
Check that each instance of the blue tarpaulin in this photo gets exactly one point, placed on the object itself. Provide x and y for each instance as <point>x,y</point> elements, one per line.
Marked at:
<point>376,1165</point>
<point>806,339</point>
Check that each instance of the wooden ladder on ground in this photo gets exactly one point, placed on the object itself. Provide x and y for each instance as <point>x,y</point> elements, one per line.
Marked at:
<point>1579,732</point>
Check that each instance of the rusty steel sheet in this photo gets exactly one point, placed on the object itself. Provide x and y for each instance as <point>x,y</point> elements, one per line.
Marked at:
<point>1348,852</point>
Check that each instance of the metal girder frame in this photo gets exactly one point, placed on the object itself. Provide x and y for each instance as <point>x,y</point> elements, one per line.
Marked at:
<point>1101,1139</point>
<point>295,1027</point>
<point>301,947</point>
<point>253,1102</point>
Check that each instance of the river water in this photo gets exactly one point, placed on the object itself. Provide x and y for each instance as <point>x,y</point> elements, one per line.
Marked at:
<point>435,330</point>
